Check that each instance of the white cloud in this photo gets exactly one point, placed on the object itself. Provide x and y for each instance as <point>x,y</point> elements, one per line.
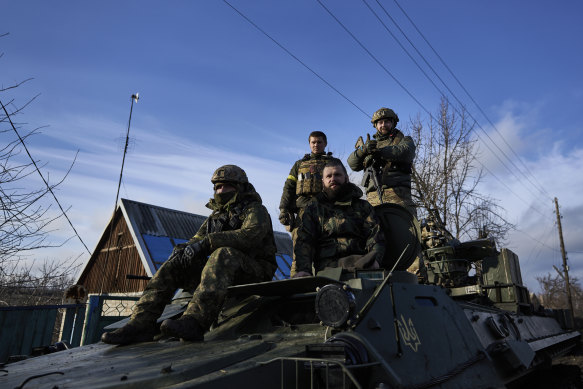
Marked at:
<point>165,170</point>
<point>174,172</point>
<point>557,173</point>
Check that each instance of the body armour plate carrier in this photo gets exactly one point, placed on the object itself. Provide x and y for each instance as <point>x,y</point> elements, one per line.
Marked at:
<point>310,176</point>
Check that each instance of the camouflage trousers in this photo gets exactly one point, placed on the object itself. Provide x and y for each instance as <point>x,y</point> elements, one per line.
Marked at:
<point>209,278</point>
<point>398,195</point>
<point>294,235</point>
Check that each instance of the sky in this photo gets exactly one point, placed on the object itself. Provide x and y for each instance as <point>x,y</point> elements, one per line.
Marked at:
<point>246,82</point>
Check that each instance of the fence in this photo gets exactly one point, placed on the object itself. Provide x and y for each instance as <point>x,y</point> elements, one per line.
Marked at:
<point>27,328</point>
<point>102,311</point>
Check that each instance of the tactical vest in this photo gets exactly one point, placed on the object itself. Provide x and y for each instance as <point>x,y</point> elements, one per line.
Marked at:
<point>310,175</point>
<point>233,220</point>
<point>391,167</point>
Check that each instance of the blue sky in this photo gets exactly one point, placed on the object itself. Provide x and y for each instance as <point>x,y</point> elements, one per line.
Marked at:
<point>215,90</point>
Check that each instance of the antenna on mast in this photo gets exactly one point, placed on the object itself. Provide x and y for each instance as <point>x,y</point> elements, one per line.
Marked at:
<point>135,97</point>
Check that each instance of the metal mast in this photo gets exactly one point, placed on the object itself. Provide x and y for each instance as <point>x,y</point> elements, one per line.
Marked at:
<point>135,98</point>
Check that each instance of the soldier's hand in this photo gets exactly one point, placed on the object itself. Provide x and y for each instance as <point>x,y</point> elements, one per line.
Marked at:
<point>285,217</point>
<point>302,274</point>
<point>368,161</point>
<point>179,248</point>
<point>194,249</point>
<point>370,146</point>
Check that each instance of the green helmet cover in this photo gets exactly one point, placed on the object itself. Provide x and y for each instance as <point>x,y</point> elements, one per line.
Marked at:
<point>229,173</point>
<point>384,113</point>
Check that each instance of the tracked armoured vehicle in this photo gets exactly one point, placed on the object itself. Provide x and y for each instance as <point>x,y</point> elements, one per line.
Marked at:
<point>467,324</point>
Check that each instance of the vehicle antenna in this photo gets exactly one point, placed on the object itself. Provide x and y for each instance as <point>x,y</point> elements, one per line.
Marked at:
<point>135,97</point>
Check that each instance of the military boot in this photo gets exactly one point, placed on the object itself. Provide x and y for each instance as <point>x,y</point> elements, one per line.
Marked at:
<point>186,327</point>
<point>130,333</point>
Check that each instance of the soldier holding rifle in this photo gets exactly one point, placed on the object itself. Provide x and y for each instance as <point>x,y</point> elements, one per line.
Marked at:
<point>387,160</point>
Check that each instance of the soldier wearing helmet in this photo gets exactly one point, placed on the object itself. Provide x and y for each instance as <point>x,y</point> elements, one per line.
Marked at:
<point>234,245</point>
<point>391,153</point>
<point>303,183</point>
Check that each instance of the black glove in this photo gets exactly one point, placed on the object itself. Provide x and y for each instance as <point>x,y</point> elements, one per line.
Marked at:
<point>368,161</point>
<point>370,146</point>
<point>194,249</point>
<point>285,217</point>
<point>179,248</point>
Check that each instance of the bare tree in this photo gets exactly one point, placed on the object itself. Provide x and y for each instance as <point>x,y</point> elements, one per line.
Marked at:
<point>554,293</point>
<point>25,213</point>
<point>446,177</point>
<point>24,222</point>
<point>23,285</point>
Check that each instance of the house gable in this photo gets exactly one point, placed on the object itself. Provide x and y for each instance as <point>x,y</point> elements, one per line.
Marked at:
<point>142,239</point>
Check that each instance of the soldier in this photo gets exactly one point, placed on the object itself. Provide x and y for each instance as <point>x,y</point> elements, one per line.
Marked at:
<point>391,155</point>
<point>338,229</point>
<point>238,240</point>
<point>303,183</point>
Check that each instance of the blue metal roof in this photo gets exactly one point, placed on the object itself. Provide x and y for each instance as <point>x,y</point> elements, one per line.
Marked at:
<point>156,230</point>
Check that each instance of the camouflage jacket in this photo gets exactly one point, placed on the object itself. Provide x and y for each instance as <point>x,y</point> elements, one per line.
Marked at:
<point>290,200</point>
<point>331,230</point>
<point>396,153</point>
<point>244,224</point>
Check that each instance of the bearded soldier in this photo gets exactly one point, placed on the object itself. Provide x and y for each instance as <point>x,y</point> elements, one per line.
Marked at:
<point>391,155</point>
<point>338,229</point>
<point>238,240</point>
<point>303,184</point>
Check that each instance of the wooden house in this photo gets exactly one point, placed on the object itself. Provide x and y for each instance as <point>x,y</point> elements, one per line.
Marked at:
<point>139,238</point>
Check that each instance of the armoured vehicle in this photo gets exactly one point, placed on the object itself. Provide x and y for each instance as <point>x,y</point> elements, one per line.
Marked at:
<point>467,323</point>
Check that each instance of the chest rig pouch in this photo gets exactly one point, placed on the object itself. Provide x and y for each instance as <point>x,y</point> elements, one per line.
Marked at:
<point>310,176</point>
<point>391,167</point>
<point>226,221</point>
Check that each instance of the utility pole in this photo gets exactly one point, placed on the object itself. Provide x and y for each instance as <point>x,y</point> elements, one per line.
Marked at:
<point>565,266</point>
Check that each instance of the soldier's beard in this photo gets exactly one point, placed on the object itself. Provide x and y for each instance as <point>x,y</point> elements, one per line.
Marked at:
<point>335,193</point>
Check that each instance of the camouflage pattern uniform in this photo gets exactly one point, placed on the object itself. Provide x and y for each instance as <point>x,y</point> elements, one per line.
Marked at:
<point>330,230</point>
<point>241,245</point>
<point>394,160</point>
<point>303,183</point>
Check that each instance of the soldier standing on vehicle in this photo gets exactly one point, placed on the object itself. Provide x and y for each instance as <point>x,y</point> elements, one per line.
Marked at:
<point>238,240</point>
<point>338,229</point>
<point>303,183</point>
<point>390,155</point>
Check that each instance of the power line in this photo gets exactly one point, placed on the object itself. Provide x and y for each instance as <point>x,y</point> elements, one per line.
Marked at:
<point>374,58</point>
<point>416,100</point>
<point>42,177</point>
<point>511,191</point>
<point>539,187</point>
<point>452,94</point>
<point>296,58</point>
<point>392,76</point>
<point>539,242</point>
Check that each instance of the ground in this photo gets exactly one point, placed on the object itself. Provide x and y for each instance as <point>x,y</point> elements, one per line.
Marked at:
<point>565,373</point>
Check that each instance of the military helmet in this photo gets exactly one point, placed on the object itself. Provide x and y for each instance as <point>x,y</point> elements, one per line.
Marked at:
<point>384,113</point>
<point>229,173</point>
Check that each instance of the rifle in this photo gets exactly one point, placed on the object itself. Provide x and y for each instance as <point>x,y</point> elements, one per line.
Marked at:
<point>369,171</point>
